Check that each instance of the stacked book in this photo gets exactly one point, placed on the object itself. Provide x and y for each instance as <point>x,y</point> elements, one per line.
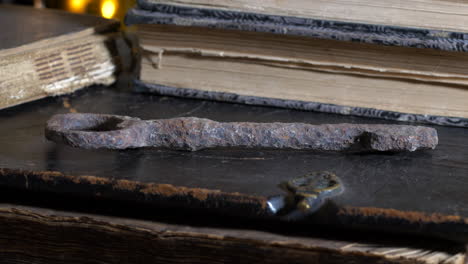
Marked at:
<point>49,52</point>
<point>399,60</point>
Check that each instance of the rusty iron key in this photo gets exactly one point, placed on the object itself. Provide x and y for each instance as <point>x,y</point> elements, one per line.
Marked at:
<point>92,131</point>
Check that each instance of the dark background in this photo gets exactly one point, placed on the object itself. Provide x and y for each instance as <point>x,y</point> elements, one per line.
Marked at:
<point>79,6</point>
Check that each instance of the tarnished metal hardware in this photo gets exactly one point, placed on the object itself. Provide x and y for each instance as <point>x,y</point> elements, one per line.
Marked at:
<point>92,131</point>
<point>305,195</point>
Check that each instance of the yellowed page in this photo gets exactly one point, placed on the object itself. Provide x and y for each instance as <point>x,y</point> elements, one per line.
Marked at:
<point>247,78</point>
<point>308,53</point>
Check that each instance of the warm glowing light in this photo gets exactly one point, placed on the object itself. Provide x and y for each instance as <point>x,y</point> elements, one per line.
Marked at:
<point>108,8</point>
<point>77,6</point>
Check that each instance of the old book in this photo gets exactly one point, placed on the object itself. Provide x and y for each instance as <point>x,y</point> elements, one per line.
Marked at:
<point>421,192</point>
<point>49,52</point>
<point>379,59</point>
<point>106,239</point>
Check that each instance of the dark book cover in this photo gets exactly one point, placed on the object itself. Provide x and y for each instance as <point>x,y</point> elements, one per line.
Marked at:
<point>422,192</point>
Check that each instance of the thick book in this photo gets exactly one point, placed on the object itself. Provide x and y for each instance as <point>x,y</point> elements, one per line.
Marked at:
<point>125,238</point>
<point>379,59</point>
<point>418,193</point>
<point>50,52</point>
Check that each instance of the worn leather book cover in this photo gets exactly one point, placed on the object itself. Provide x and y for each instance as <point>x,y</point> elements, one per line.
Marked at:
<point>155,239</point>
<point>419,80</point>
<point>50,52</point>
<point>421,192</point>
